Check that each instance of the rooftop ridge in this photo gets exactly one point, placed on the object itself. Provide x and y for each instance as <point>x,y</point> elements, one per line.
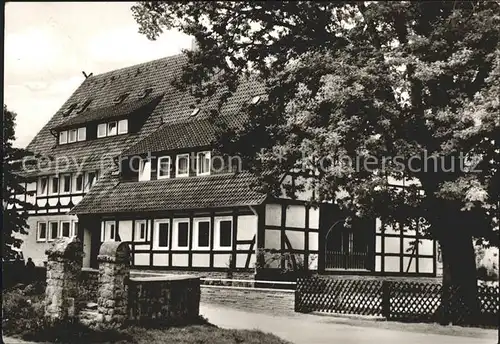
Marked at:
<point>132,67</point>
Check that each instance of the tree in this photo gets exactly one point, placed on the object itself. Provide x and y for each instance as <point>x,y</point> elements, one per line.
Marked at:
<point>14,209</point>
<point>408,89</point>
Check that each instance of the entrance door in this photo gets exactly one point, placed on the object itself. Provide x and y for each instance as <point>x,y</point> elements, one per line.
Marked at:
<point>347,248</point>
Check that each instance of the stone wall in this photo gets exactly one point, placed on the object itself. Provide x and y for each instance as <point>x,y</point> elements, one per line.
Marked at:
<point>63,268</point>
<point>164,300</point>
<point>114,273</point>
<point>88,285</point>
<point>257,299</point>
<point>250,275</point>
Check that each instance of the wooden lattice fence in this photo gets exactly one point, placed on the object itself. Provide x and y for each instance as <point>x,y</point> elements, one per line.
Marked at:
<point>395,300</point>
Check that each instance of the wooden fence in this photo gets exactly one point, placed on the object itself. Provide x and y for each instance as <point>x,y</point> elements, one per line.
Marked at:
<point>394,300</point>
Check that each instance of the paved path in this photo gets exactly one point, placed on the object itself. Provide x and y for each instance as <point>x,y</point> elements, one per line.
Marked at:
<point>314,329</point>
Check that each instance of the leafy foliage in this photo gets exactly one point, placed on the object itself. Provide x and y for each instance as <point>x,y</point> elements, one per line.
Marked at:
<point>14,220</point>
<point>358,80</point>
<point>359,94</point>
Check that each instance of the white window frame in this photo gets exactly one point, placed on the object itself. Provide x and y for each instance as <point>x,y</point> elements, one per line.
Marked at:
<point>109,129</point>
<point>86,186</point>
<point>156,241</point>
<point>38,230</point>
<point>175,233</point>
<point>138,224</point>
<point>49,233</point>
<point>217,233</point>
<point>158,167</point>
<point>63,137</point>
<point>61,229</point>
<point>106,231</point>
<point>177,159</point>
<point>196,230</point>
<point>144,170</point>
<point>74,224</point>
<point>75,132</point>
<point>123,124</point>
<point>74,182</point>
<point>61,184</point>
<point>198,165</point>
<point>105,126</point>
<point>51,183</point>
<point>82,134</point>
<point>39,192</point>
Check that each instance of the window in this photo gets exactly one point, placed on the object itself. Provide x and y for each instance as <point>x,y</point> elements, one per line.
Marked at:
<point>201,233</point>
<point>123,126</point>
<point>164,167</point>
<point>140,230</point>
<point>195,112</point>
<point>84,106</point>
<point>223,233</point>
<point>145,170</point>
<point>69,109</point>
<point>82,134</point>
<point>162,230</point>
<point>182,165</point>
<point>101,130</point>
<point>91,178</point>
<point>41,234</point>
<point>63,137</point>
<point>42,186</point>
<point>65,229</point>
<point>72,136</point>
<point>54,231</point>
<point>108,231</point>
<point>78,183</point>
<point>120,98</point>
<point>54,185</point>
<point>203,163</point>
<point>146,92</point>
<point>181,233</point>
<point>75,228</point>
<point>66,183</point>
<point>112,127</point>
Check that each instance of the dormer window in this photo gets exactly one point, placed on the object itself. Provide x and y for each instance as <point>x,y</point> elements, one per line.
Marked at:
<point>164,167</point>
<point>203,164</point>
<point>63,137</point>
<point>146,93</point>
<point>255,100</point>
<point>112,128</point>
<point>123,126</point>
<point>84,106</point>
<point>182,165</point>
<point>145,170</point>
<point>72,136</point>
<point>120,98</point>
<point>195,112</point>
<point>69,110</point>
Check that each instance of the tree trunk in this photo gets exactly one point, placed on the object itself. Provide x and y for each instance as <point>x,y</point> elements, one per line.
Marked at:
<point>459,300</point>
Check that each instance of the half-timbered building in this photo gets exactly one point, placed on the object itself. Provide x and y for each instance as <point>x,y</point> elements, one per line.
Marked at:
<point>129,157</point>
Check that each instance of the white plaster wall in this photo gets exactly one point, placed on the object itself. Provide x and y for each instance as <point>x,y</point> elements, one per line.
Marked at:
<point>297,239</point>
<point>273,214</point>
<point>125,230</point>
<point>160,259</point>
<point>36,250</point>
<point>272,239</point>
<point>221,260</point>
<point>247,227</point>
<point>314,218</point>
<point>295,216</point>
<point>201,260</point>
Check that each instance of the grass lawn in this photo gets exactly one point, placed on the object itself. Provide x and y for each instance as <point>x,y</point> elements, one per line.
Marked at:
<point>22,317</point>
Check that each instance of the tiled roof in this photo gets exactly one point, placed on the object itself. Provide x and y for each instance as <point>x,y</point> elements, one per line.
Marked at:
<point>198,133</point>
<point>215,191</point>
<point>129,107</point>
<point>174,107</point>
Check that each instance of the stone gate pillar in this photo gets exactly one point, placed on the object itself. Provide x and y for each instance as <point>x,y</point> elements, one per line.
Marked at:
<point>64,263</point>
<point>114,273</point>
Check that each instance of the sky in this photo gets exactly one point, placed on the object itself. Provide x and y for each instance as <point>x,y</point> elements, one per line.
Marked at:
<point>48,45</point>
